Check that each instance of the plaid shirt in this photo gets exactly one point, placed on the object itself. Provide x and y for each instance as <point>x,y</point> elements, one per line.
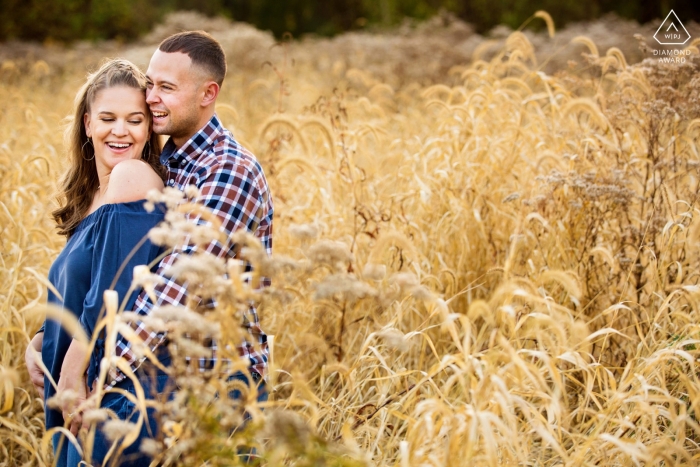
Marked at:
<point>232,185</point>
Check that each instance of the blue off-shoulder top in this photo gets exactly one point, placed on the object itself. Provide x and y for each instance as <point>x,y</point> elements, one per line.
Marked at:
<point>111,238</point>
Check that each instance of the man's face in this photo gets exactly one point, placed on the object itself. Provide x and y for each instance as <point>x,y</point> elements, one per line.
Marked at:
<point>173,95</point>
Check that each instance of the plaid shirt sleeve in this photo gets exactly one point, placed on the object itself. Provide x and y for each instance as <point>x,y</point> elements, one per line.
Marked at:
<point>239,199</point>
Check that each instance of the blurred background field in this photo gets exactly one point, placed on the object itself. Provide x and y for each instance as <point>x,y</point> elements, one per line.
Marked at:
<point>495,231</point>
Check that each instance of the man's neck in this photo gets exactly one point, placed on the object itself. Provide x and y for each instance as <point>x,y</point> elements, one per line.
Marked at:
<point>181,140</point>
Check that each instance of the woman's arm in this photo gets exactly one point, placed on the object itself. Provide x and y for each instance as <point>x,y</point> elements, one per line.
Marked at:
<point>31,358</point>
<point>73,378</point>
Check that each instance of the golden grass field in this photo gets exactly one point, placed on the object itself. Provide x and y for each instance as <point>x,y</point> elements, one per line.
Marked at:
<point>499,268</point>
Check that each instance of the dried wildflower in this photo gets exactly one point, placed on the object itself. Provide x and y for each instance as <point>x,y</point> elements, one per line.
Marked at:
<point>143,277</point>
<point>170,196</point>
<point>421,292</point>
<point>93,416</point>
<point>191,191</point>
<point>304,231</point>
<point>117,429</point>
<point>63,400</point>
<point>197,269</point>
<point>164,236</point>
<point>329,252</point>
<point>374,272</point>
<point>394,338</point>
<point>244,238</point>
<point>187,320</point>
<point>404,280</point>
<point>343,284</point>
<point>151,447</point>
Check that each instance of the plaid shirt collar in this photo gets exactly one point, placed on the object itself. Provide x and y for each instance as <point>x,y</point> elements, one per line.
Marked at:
<point>189,152</point>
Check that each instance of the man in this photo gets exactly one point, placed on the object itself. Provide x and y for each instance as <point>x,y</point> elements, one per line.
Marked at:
<point>184,77</point>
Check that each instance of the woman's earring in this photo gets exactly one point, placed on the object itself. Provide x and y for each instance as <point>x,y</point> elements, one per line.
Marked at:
<point>83,150</point>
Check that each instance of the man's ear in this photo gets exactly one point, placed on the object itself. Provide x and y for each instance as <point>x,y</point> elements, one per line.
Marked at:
<point>86,122</point>
<point>211,92</point>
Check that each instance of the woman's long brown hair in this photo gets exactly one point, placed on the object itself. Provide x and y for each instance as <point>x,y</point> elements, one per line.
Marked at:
<point>80,182</point>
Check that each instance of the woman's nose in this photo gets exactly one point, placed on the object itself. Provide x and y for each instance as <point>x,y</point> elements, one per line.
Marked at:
<point>119,128</point>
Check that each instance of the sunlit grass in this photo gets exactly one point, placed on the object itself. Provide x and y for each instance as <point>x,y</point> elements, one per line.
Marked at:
<point>500,270</point>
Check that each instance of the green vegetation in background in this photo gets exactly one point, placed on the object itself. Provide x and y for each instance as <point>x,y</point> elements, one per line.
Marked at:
<point>67,20</point>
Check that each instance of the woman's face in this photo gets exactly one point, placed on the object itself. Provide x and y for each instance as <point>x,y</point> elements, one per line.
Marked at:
<point>119,125</point>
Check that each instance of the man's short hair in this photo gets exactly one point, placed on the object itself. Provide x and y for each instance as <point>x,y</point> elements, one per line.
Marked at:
<point>203,50</point>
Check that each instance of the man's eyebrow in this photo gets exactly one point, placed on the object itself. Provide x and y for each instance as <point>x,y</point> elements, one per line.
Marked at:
<point>161,83</point>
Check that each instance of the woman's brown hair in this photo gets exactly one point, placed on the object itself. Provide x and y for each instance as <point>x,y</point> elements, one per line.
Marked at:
<point>80,182</point>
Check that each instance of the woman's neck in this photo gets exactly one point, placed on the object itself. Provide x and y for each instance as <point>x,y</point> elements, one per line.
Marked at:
<point>103,183</point>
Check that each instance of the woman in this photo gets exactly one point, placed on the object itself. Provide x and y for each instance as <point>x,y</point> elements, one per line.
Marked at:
<point>114,163</point>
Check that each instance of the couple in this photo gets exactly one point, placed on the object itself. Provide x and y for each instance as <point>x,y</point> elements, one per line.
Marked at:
<point>115,161</point>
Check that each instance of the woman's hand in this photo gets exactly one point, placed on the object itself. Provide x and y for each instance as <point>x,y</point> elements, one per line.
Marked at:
<point>73,378</point>
<point>32,357</point>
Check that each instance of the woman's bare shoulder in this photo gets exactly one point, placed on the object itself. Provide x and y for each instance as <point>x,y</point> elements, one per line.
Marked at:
<point>131,180</point>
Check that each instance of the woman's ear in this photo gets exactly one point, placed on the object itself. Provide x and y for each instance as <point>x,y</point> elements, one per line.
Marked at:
<point>86,122</point>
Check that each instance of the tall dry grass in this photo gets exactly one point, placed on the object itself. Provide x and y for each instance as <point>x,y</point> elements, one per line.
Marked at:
<point>501,270</point>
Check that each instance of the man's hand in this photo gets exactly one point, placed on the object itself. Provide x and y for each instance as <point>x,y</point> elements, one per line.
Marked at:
<point>73,379</point>
<point>32,356</point>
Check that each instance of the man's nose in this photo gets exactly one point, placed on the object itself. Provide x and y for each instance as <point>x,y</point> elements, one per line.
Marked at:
<point>151,96</point>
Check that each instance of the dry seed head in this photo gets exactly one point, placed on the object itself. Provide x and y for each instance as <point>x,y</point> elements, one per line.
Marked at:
<point>187,320</point>
<point>164,236</point>
<point>170,196</point>
<point>63,400</point>
<point>330,252</point>
<point>94,416</point>
<point>197,269</point>
<point>304,231</point>
<point>243,238</point>
<point>343,284</point>
<point>143,277</point>
<point>511,197</point>
<point>199,234</point>
<point>191,191</point>
<point>151,447</point>
<point>421,292</point>
<point>375,272</point>
<point>117,429</point>
<point>405,280</point>
<point>394,338</point>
